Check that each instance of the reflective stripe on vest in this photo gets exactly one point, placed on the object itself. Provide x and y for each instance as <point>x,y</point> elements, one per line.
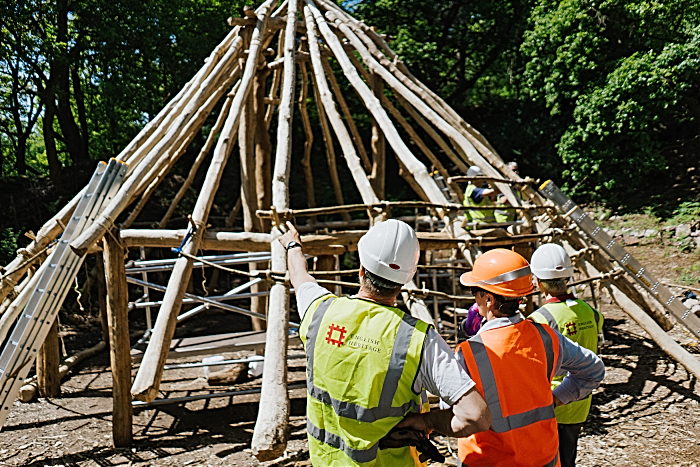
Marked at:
<point>480,215</point>
<point>499,423</point>
<point>391,381</point>
<point>358,455</point>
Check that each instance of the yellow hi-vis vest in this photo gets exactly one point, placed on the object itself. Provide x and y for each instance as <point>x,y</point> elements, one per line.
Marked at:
<point>504,213</point>
<point>581,323</point>
<point>485,215</point>
<point>361,361</point>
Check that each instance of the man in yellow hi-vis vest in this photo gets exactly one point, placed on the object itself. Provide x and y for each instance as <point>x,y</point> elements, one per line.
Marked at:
<point>574,319</point>
<point>369,363</point>
<point>479,197</point>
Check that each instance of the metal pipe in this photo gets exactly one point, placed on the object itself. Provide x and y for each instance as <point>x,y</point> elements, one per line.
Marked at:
<point>254,358</point>
<point>194,311</point>
<point>217,298</point>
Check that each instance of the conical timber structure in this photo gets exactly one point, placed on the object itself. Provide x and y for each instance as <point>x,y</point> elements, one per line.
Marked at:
<point>235,78</point>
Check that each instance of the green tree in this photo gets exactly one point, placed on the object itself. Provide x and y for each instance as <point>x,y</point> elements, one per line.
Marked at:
<point>621,79</point>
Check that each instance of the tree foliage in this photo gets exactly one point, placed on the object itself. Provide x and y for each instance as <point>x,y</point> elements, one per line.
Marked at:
<point>621,78</point>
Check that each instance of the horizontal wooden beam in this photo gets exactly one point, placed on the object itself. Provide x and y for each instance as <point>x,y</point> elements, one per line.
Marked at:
<point>464,178</point>
<point>314,244</point>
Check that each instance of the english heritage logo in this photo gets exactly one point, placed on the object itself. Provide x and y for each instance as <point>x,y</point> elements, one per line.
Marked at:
<point>341,335</point>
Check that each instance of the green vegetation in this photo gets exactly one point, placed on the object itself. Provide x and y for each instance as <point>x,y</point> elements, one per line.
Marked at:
<point>595,94</point>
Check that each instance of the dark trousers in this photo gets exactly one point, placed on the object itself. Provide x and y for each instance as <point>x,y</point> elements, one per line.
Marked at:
<point>568,439</point>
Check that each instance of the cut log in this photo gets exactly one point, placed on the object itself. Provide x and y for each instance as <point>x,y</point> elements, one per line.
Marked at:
<point>118,326</point>
<point>324,95</point>
<point>270,434</point>
<point>48,359</point>
<point>413,165</point>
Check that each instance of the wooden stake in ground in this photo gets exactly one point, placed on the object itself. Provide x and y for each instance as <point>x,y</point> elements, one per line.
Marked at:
<point>118,325</point>
<point>148,378</point>
<point>270,435</point>
<point>48,359</point>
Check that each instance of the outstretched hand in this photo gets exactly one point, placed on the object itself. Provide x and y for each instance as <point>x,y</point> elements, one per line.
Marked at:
<point>292,235</point>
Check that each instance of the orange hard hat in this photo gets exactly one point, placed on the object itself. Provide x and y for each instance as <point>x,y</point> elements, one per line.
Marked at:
<point>500,271</point>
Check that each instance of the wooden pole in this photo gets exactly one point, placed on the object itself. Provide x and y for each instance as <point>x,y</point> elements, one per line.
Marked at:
<point>337,93</point>
<point>102,297</point>
<point>378,142</point>
<point>270,434</point>
<point>413,165</point>
<point>328,144</point>
<point>119,348</point>
<point>148,378</point>
<point>324,95</point>
<point>263,148</point>
<point>198,161</point>
<point>48,359</point>
<point>309,138</point>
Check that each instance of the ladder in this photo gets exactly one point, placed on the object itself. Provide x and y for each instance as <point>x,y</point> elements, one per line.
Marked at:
<point>633,267</point>
<point>36,319</point>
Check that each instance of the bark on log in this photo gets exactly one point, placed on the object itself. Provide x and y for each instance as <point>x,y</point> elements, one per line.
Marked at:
<point>348,115</point>
<point>48,359</point>
<point>271,428</point>
<point>148,378</point>
<point>413,165</point>
<point>324,95</point>
<point>309,140</point>
<point>119,348</point>
<point>29,390</point>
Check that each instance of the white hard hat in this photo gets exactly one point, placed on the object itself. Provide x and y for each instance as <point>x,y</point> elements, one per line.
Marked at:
<point>550,261</point>
<point>474,171</point>
<point>390,250</point>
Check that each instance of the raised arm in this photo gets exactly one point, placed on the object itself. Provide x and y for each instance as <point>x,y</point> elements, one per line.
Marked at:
<point>296,262</point>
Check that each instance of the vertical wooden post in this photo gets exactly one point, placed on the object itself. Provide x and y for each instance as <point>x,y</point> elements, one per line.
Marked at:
<point>263,148</point>
<point>48,359</point>
<point>271,428</point>
<point>118,325</point>
<point>102,298</point>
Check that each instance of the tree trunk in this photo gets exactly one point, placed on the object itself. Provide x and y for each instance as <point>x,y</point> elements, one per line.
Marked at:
<point>50,137</point>
<point>60,69</point>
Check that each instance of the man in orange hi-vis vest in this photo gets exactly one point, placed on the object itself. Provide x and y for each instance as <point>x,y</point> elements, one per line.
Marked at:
<point>513,360</point>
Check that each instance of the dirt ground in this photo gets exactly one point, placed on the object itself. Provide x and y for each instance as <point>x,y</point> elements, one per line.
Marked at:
<point>646,412</point>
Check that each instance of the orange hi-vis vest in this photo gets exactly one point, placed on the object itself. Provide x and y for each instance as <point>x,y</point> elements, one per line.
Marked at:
<point>513,367</point>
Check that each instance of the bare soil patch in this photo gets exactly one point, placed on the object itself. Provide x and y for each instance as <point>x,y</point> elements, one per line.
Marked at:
<point>646,412</point>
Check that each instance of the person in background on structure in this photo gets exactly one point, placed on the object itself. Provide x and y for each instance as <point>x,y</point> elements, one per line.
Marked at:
<point>513,361</point>
<point>502,213</point>
<point>475,196</point>
<point>368,363</point>
<point>574,319</point>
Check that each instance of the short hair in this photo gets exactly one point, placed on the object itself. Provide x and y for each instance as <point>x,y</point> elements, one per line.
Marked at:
<point>380,287</point>
<point>553,287</point>
<point>507,306</point>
